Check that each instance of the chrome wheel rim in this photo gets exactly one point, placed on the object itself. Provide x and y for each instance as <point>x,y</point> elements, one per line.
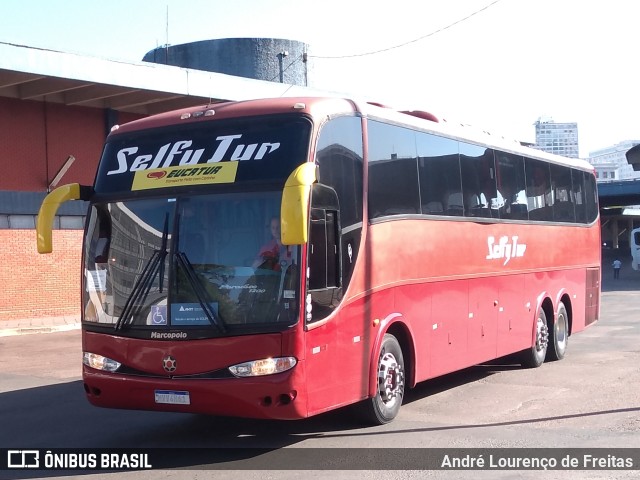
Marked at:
<point>542,335</point>
<point>560,330</point>
<point>390,380</point>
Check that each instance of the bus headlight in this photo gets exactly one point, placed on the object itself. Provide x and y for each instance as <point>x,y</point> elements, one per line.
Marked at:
<point>266,366</point>
<point>99,362</point>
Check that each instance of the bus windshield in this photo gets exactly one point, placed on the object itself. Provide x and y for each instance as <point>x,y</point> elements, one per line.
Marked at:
<point>208,265</point>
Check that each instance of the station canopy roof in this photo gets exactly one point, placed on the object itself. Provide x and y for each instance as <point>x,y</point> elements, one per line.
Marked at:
<point>38,74</point>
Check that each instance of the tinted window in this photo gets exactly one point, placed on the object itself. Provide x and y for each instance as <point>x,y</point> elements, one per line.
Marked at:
<point>563,205</point>
<point>461,179</point>
<point>323,262</point>
<point>512,186</point>
<point>479,182</point>
<point>393,171</point>
<point>539,199</point>
<point>439,175</point>
<point>340,162</point>
<point>579,200</point>
<point>336,213</point>
<point>591,194</point>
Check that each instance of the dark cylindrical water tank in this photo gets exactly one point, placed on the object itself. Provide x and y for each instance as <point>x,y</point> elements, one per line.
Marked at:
<point>271,59</point>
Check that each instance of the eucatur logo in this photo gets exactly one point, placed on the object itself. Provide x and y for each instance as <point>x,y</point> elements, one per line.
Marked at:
<point>158,174</point>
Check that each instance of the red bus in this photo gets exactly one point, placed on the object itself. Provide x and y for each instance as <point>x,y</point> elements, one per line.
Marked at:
<point>280,258</point>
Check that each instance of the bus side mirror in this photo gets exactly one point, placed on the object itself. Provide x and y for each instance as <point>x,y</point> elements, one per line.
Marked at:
<point>294,211</point>
<point>49,207</point>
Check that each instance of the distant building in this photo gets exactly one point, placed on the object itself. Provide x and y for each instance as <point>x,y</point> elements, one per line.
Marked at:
<point>611,163</point>
<point>557,138</point>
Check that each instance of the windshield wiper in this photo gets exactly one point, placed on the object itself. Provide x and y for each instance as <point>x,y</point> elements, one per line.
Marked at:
<point>144,282</point>
<point>142,287</point>
<point>200,292</point>
<point>163,249</point>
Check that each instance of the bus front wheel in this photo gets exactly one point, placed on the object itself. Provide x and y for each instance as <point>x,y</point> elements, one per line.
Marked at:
<point>390,376</point>
<point>534,357</point>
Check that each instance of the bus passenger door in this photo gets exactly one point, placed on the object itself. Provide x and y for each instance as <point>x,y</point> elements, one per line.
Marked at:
<point>322,298</point>
<point>334,342</point>
<point>482,325</point>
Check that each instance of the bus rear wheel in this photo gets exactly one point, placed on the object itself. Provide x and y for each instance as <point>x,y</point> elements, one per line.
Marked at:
<point>534,357</point>
<point>385,405</point>
<point>559,335</point>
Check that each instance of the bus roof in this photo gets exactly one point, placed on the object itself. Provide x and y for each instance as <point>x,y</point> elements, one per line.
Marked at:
<point>324,107</point>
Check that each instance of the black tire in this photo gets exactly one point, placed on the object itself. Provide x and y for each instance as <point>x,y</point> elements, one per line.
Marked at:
<point>534,357</point>
<point>559,335</point>
<point>385,405</point>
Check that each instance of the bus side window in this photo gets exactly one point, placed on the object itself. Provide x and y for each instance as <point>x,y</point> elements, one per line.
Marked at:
<point>511,183</point>
<point>324,266</point>
<point>539,198</point>
<point>439,175</point>
<point>323,250</point>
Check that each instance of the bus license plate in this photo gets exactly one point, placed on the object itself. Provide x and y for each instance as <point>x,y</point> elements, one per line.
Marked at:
<point>172,397</point>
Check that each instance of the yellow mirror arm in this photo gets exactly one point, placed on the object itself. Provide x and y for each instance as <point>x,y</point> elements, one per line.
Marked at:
<point>48,209</point>
<point>294,211</point>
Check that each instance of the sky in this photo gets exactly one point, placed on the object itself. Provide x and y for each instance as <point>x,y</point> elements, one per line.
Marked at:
<point>498,65</point>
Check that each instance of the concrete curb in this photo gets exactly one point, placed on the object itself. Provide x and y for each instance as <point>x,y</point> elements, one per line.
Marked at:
<point>9,332</point>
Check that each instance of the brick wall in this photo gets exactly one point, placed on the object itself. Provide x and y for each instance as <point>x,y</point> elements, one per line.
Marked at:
<point>35,140</point>
<point>34,285</point>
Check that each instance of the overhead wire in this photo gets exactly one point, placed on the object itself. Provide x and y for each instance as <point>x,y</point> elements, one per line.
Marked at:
<point>435,32</point>
<point>410,41</point>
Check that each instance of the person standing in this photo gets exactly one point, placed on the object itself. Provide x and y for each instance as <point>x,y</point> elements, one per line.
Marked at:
<point>617,264</point>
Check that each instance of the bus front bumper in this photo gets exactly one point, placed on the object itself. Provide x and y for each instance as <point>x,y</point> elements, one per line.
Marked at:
<point>279,396</point>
